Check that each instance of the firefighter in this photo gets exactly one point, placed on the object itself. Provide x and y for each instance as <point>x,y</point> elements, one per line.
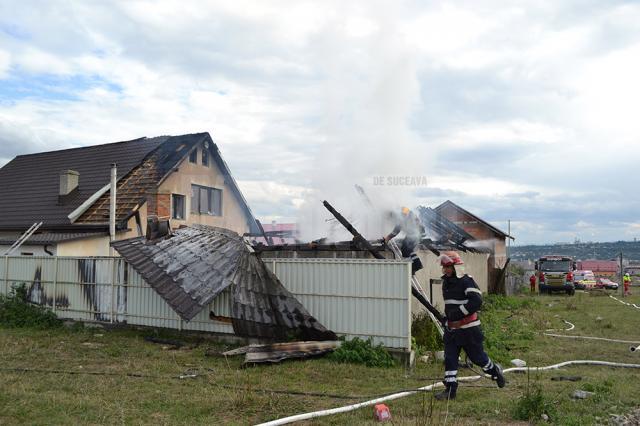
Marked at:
<point>414,230</point>
<point>532,283</point>
<point>462,300</point>
<point>626,282</point>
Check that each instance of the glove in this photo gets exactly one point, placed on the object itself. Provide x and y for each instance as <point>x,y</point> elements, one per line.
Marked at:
<point>444,321</point>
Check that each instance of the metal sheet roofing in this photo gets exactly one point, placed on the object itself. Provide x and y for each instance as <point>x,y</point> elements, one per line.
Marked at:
<point>443,229</point>
<point>189,269</point>
<point>50,237</point>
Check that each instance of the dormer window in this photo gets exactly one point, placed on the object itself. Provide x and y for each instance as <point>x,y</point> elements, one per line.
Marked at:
<point>205,157</point>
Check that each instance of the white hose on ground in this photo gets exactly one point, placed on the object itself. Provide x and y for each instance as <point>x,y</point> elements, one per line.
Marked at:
<point>634,348</point>
<point>571,327</point>
<point>592,338</point>
<point>347,408</point>
<point>625,303</point>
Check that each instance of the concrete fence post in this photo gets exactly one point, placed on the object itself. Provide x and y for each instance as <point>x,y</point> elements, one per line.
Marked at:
<point>55,284</point>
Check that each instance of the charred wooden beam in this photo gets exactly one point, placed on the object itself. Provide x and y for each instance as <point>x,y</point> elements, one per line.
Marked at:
<point>357,237</point>
<point>350,246</point>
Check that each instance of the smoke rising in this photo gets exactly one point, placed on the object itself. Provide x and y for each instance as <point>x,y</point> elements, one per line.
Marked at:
<point>371,92</point>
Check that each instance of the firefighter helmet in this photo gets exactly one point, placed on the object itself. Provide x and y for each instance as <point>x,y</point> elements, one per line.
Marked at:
<point>450,258</point>
<point>405,211</point>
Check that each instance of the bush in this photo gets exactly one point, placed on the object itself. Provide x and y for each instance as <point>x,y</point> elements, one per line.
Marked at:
<point>16,311</point>
<point>425,335</point>
<point>533,404</point>
<point>358,351</point>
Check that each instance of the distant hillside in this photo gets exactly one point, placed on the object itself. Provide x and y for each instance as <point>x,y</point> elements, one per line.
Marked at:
<point>579,251</point>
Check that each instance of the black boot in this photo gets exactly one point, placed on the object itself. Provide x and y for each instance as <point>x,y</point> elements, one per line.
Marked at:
<point>496,374</point>
<point>449,392</point>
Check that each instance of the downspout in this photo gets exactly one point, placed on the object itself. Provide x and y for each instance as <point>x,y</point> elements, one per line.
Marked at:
<point>47,251</point>
<point>112,208</point>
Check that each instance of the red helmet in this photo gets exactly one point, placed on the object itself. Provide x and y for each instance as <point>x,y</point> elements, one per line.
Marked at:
<point>450,258</point>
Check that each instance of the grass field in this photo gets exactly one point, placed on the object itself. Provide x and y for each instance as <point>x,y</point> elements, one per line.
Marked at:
<point>95,376</point>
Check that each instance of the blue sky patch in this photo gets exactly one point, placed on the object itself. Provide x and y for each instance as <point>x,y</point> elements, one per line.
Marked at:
<point>14,31</point>
<point>51,87</point>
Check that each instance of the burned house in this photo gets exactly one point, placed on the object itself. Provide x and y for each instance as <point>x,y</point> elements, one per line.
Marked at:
<point>441,235</point>
<point>180,178</point>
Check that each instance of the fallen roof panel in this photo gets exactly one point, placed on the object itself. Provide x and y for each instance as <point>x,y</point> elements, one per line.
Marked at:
<point>193,266</point>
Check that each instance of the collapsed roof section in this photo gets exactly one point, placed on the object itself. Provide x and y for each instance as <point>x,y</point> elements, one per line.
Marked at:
<point>194,265</point>
<point>442,229</point>
<point>442,234</point>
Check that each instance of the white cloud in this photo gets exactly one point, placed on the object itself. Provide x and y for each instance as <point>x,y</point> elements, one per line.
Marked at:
<point>306,99</point>
<point>38,61</point>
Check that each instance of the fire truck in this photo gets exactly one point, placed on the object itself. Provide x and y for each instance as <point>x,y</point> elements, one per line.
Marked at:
<point>555,273</point>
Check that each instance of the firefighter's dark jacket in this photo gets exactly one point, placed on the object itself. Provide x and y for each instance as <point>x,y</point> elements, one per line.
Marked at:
<point>462,297</point>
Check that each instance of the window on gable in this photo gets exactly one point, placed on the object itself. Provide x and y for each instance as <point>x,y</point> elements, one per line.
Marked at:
<point>193,156</point>
<point>206,200</point>
<point>205,157</point>
<point>177,206</point>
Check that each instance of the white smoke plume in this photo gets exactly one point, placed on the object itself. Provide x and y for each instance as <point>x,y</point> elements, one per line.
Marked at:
<point>372,89</point>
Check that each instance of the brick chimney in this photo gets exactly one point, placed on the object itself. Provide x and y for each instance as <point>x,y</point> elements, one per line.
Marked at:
<point>159,204</point>
<point>68,181</point>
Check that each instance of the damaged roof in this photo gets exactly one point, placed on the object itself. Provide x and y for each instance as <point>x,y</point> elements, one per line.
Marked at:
<point>442,228</point>
<point>194,265</point>
<point>132,188</point>
<point>450,205</point>
<point>29,184</point>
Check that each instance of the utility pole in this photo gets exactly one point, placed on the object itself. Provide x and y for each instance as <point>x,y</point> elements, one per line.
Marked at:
<point>508,238</point>
<point>508,246</point>
<point>621,276</point>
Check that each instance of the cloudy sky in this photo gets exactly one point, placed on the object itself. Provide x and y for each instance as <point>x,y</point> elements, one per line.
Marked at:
<point>520,111</point>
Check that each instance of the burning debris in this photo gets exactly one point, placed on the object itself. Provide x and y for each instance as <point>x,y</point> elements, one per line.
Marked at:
<point>358,239</point>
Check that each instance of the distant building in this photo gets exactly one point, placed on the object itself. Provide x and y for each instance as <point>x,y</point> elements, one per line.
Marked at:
<point>632,269</point>
<point>278,234</point>
<point>605,268</point>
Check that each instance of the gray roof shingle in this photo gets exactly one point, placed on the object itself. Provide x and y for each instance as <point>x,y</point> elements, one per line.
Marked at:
<point>29,184</point>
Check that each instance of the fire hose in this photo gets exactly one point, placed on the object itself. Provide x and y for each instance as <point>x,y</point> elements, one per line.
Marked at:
<point>625,303</point>
<point>352,407</point>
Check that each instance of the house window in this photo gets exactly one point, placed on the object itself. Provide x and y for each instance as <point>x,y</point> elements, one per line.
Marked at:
<point>206,200</point>
<point>205,157</point>
<point>193,156</point>
<point>177,206</point>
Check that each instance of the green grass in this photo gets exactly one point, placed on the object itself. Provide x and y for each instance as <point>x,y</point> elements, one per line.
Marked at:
<point>224,392</point>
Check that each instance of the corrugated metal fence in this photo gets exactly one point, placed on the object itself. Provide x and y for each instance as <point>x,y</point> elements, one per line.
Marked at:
<point>353,297</point>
